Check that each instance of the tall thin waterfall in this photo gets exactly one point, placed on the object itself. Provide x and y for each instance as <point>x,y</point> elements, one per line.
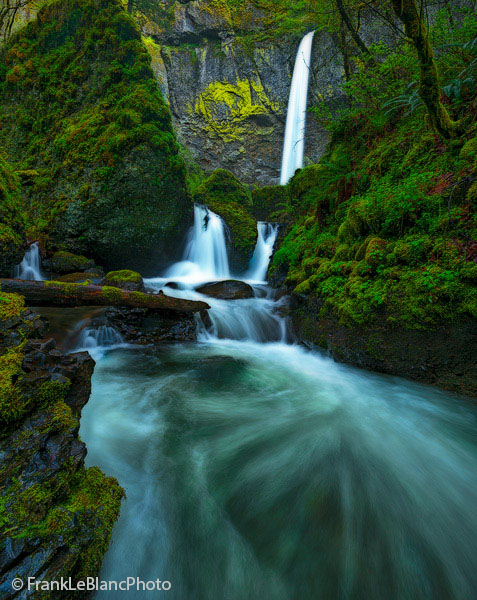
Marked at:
<point>30,268</point>
<point>267,234</point>
<point>294,144</point>
<point>205,256</point>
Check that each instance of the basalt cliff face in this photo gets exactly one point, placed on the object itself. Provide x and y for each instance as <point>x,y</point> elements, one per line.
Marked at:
<point>228,90</point>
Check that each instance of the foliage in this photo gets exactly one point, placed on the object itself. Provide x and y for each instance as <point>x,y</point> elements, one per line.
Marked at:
<point>12,223</point>
<point>384,227</point>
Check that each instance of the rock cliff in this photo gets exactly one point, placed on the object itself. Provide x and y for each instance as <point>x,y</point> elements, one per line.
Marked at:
<point>227,82</point>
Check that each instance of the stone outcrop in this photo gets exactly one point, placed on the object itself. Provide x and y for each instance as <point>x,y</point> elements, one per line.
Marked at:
<point>445,357</point>
<point>140,326</point>
<point>56,516</point>
<point>116,188</point>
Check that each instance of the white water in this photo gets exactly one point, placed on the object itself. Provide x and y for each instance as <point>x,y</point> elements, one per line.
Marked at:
<point>30,267</point>
<point>261,470</point>
<point>294,143</point>
<point>205,258</point>
<point>267,235</point>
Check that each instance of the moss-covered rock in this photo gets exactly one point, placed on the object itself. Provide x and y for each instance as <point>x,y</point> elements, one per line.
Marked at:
<point>56,516</point>
<point>267,201</point>
<point>63,263</point>
<point>125,279</point>
<point>223,193</point>
<point>80,106</point>
<point>12,225</point>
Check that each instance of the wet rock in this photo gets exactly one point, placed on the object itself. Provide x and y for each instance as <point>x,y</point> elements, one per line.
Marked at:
<point>444,357</point>
<point>45,531</point>
<point>140,326</point>
<point>231,289</point>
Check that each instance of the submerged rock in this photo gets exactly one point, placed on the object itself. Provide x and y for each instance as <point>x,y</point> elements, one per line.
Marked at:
<point>231,289</point>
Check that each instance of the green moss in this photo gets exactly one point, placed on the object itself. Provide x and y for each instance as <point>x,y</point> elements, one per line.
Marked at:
<point>80,105</point>
<point>227,108</point>
<point>12,406</point>
<point>112,293</point>
<point>267,201</point>
<point>11,305</point>
<point>223,193</point>
<point>65,262</point>
<point>124,276</point>
<point>12,222</point>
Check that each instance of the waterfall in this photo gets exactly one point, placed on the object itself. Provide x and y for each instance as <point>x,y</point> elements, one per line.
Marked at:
<point>104,335</point>
<point>294,143</point>
<point>94,336</point>
<point>30,268</point>
<point>205,256</point>
<point>267,234</point>
<point>205,259</point>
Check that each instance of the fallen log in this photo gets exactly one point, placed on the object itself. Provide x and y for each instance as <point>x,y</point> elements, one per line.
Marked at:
<point>56,293</point>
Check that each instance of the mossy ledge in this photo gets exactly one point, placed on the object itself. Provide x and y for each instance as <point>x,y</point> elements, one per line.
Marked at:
<point>56,516</point>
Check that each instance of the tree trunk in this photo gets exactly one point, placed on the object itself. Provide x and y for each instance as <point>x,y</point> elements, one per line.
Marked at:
<point>354,33</point>
<point>54,293</point>
<point>429,85</point>
<point>130,6</point>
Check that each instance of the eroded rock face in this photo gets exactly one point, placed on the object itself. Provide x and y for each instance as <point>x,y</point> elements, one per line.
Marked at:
<point>229,97</point>
<point>57,516</point>
<point>140,326</point>
<point>230,289</point>
<point>445,357</point>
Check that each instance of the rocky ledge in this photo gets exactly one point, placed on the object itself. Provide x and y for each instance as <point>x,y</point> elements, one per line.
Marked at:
<point>444,357</point>
<point>56,516</point>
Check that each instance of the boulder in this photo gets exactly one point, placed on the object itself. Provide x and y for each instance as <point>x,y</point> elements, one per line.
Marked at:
<point>231,289</point>
<point>125,280</point>
<point>64,263</point>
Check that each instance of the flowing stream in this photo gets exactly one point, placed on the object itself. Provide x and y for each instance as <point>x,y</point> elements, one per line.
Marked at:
<point>254,468</point>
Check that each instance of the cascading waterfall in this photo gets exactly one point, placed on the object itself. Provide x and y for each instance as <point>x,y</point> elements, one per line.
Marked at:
<point>205,260</point>
<point>294,143</point>
<point>103,335</point>
<point>257,470</point>
<point>205,257</point>
<point>267,235</point>
<point>94,336</point>
<point>30,267</point>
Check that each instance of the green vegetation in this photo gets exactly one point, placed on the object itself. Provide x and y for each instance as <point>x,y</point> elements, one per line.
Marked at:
<point>384,227</point>
<point>238,101</point>
<point>83,116</point>
<point>12,226</point>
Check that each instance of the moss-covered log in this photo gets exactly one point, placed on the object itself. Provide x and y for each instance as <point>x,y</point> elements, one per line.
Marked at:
<point>55,293</point>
